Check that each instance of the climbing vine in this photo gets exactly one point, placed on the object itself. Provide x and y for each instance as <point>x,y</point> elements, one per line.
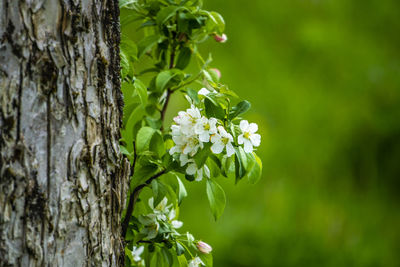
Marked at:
<point>208,140</point>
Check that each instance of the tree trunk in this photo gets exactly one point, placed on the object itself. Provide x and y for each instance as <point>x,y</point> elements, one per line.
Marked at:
<point>62,177</point>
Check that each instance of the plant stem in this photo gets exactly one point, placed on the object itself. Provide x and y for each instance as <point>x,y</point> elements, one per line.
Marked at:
<point>133,198</point>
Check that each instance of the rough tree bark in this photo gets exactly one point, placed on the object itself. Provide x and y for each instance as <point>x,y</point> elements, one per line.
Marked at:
<point>62,177</point>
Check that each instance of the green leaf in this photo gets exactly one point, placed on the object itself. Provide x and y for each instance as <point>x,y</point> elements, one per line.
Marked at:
<point>128,253</point>
<point>157,260</point>
<point>201,156</point>
<point>193,95</point>
<point>129,91</point>
<point>180,250</point>
<point>128,133</point>
<point>159,191</point>
<point>129,47</point>
<point>181,190</point>
<point>216,198</point>
<point>124,150</point>
<point>157,144</point>
<point>228,167</point>
<point>143,139</point>
<point>213,110</point>
<point>141,89</point>
<point>215,170</point>
<point>207,259</point>
<point>183,58</point>
<point>254,174</point>
<point>126,68</point>
<point>147,43</point>
<point>141,174</point>
<point>218,20</point>
<point>166,13</point>
<point>240,164</point>
<point>239,109</point>
<point>182,261</point>
<point>123,3</point>
<point>164,77</point>
<point>167,256</point>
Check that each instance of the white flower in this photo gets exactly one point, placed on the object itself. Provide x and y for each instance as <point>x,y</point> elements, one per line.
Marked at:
<point>183,158</point>
<point>203,247</point>
<point>183,143</point>
<point>205,127</point>
<point>192,145</point>
<point>195,262</point>
<point>179,139</point>
<point>175,223</point>
<point>187,120</point>
<point>136,253</point>
<point>198,173</point>
<point>222,140</point>
<point>248,137</point>
<point>151,225</point>
<point>203,91</point>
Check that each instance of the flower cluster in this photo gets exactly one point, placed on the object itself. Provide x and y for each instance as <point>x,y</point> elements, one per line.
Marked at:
<point>162,221</point>
<point>192,130</point>
<point>163,216</point>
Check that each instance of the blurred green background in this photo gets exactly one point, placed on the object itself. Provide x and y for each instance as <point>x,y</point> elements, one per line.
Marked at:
<point>323,77</point>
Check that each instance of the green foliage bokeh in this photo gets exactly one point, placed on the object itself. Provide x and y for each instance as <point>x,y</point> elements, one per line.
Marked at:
<point>324,81</point>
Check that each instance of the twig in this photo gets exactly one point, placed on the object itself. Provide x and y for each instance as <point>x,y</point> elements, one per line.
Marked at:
<point>132,201</point>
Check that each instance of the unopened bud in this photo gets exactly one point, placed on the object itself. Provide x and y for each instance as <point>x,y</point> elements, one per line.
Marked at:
<point>217,72</point>
<point>221,39</point>
<point>203,247</point>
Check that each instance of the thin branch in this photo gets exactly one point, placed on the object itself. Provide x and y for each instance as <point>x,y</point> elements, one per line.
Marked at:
<point>132,201</point>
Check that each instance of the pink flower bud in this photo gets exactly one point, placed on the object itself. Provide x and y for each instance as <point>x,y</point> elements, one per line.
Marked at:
<point>203,247</point>
<point>216,72</point>
<point>220,39</point>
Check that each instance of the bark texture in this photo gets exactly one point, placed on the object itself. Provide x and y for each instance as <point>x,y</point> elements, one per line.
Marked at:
<point>62,177</point>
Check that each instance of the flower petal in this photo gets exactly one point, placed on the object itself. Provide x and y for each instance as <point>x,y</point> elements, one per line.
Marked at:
<point>203,91</point>
<point>244,125</point>
<point>183,159</point>
<point>253,127</point>
<point>255,139</point>
<point>191,169</point>
<point>217,147</point>
<point>229,136</point>
<point>240,139</point>
<point>176,224</point>
<point>215,138</point>
<point>204,137</point>
<point>229,150</point>
<point>248,147</point>
<point>222,131</point>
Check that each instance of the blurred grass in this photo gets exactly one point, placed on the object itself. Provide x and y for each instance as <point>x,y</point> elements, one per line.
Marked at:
<point>324,81</point>
<point>323,77</point>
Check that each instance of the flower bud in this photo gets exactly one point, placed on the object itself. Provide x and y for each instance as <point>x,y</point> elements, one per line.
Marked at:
<point>203,247</point>
<point>220,39</point>
<point>217,72</point>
